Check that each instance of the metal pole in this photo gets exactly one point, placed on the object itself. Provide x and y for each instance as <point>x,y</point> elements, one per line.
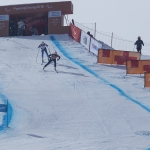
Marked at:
<point>95,31</point>
<point>134,47</point>
<point>111,39</point>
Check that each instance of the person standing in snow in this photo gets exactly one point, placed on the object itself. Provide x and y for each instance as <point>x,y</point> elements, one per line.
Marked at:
<point>139,44</point>
<point>52,58</point>
<point>21,25</point>
<point>24,29</point>
<point>33,30</point>
<point>12,28</point>
<point>43,49</point>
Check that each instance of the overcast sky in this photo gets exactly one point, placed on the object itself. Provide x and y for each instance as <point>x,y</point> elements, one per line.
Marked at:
<point>125,18</point>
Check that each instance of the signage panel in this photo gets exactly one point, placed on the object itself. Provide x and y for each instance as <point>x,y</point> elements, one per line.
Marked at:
<point>85,40</point>
<point>95,46</point>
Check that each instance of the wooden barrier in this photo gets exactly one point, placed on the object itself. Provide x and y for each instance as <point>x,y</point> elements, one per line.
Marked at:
<point>147,79</point>
<point>104,56</point>
<point>137,66</point>
<point>116,57</point>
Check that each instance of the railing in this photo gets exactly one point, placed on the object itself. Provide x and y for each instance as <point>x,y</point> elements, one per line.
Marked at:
<point>111,39</point>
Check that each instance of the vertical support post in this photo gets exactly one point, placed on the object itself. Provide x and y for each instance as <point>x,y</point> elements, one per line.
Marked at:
<point>111,39</point>
<point>95,31</point>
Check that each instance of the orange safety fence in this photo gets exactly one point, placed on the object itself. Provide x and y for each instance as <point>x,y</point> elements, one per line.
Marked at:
<point>147,79</point>
<point>137,66</point>
<point>104,56</point>
<point>116,56</point>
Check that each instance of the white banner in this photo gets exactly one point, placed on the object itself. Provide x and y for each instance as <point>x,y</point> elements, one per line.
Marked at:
<point>94,46</point>
<point>54,14</point>
<point>85,40</point>
<point>4,17</point>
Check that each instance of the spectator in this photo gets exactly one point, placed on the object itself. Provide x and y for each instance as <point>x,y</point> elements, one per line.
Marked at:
<point>46,25</point>
<point>90,34</point>
<point>20,27</point>
<point>24,28</point>
<point>139,44</point>
<point>12,28</point>
<point>33,30</point>
<point>73,22</point>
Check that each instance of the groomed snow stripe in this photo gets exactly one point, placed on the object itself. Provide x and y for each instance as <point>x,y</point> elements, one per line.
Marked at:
<point>4,122</point>
<point>121,92</point>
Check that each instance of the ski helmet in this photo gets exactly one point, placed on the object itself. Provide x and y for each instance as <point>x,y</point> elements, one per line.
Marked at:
<point>139,37</point>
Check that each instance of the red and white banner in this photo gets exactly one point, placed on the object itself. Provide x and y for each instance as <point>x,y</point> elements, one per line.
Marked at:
<point>95,46</point>
<point>85,40</point>
<point>75,33</point>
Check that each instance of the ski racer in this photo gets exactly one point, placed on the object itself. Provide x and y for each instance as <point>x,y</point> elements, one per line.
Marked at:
<point>52,57</point>
<point>43,49</point>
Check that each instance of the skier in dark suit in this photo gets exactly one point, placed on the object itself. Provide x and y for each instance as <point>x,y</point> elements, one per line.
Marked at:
<point>139,44</point>
<point>52,57</point>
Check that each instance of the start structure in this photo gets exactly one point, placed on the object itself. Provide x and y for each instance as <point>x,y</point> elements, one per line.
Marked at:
<point>48,18</point>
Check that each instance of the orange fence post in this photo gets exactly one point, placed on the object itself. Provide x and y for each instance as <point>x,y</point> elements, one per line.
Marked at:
<point>104,56</point>
<point>147,79</point>
<point>138,66</point>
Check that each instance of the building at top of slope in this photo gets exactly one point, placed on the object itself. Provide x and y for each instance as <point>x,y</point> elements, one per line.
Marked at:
<point>48,18</point>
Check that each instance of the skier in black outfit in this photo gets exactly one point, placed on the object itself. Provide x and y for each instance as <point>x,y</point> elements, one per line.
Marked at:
<point>52,57</point>
<point>139,44</point>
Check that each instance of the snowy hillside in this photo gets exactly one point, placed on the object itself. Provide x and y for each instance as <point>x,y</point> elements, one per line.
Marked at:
<point>86,106</point>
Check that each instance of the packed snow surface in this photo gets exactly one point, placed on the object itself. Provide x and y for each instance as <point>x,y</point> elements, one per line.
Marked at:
<point>85,106</point>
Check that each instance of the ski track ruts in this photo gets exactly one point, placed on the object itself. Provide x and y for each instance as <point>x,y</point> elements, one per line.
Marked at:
<point>28,115</point>
<point>17,78</point>
<point>82,88</point>
<point>16,131</point>
<point>76,106</point>
<point>33,121</point>
<point>102,119</point>
<point>96,111</point>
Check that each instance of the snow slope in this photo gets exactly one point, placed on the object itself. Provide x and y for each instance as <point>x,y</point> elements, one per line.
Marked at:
<point>86,106</point>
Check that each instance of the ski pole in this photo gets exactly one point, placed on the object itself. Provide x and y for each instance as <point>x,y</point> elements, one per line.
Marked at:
<point>37,55</point>
<point>54,49</point>
<point>49,50</point>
